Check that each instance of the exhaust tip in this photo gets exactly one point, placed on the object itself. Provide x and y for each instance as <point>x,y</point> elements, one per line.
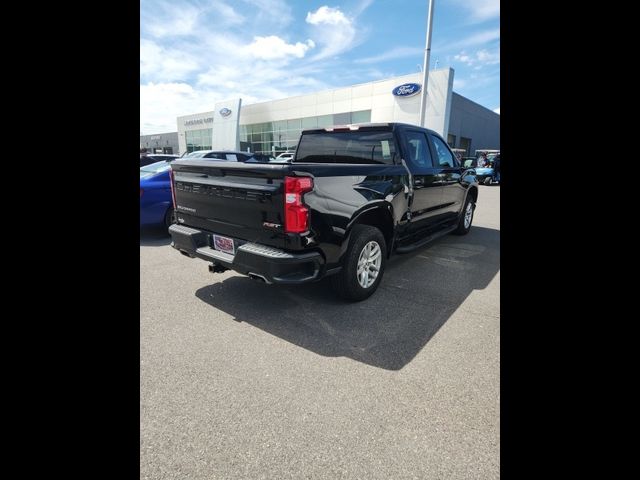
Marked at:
<point>255,276</point>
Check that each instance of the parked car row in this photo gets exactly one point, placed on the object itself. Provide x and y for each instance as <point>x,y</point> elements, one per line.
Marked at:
<point>146,159</point>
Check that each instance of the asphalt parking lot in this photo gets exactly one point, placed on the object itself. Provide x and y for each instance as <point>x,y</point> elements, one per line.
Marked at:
<point>241,380</point>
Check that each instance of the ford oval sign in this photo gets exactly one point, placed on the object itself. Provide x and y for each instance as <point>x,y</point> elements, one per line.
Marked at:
<point>225,112</point>
<point>407,89</point>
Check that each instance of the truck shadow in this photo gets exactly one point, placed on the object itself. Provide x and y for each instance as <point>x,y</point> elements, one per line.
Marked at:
<point>419,292</point>
<point>154,236</point>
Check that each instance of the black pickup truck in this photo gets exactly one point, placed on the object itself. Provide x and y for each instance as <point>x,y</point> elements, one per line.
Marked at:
<point>351,196</point>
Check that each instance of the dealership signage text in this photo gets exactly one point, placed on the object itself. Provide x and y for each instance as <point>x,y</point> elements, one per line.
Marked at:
<point>198,121</point>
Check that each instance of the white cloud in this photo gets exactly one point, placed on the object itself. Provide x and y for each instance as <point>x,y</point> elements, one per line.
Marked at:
<point>273,47</point>
<point>474,40</point>
<point>479,58</point>
<point>228,14</point>
<point>481,10</point>
<point>488,58</point>
<point>164,64</point>
<point>171,20</point>
<point>398,52</point>
<point>497,110</point>
<point>276,11</point>
<point>161,103</point>
<point>463,57</point>
<point>362,6</point>
<point>168,19</point>
<point>459,83</point>
<point>184,71</point>
<point>484,9</point>
<point>327,15</point>
<point>335,32</point>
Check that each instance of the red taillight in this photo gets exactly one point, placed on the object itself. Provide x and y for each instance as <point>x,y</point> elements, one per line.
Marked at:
<point>173,192</point>
<point>296,215</point>
<point>141,192</point>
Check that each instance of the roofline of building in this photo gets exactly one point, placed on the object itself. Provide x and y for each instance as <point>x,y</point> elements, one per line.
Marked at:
<point>346,86</point>
<point>332,90</point>
<point>165,133</point>
<point>476,103</point>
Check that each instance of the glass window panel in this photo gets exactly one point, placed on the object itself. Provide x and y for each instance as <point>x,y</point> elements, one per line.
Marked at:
<point>445,157</point>
<point>418,151</point>
<point>310,122</point>
<point>451,140</point>
<point>325,121</point>
<point>342,118</point>
<point>363,116</point>
<point>280,126</point>
<point>294,124</point>
<point>349,147</point>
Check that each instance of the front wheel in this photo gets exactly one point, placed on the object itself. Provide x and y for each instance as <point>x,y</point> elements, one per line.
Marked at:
<point>363,266</point>
<point>487,181</point>
<point>464,224</point>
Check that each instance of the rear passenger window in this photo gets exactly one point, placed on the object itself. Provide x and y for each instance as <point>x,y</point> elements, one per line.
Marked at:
<point>418,149</point>
<point>445,157</point>
<point>218,155</point>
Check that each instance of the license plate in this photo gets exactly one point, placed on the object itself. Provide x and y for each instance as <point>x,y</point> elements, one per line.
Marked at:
<point>224,244</point>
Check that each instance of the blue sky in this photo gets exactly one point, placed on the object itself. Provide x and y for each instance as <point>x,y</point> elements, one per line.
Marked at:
<point>194,53</point>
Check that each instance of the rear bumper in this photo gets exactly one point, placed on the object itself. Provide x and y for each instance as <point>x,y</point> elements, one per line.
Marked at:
<point>271,264</point>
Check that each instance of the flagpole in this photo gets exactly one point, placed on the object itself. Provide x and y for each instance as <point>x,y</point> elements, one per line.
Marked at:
<point>425,68</point>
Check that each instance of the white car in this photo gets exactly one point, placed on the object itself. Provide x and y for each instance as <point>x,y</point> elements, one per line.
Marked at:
<point>285,156</point>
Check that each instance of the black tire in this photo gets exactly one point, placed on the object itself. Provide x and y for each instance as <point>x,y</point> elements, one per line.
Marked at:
<point>169,218</point>
<point>346,283</point>
<point>463,227</point>
<point>487,181</point>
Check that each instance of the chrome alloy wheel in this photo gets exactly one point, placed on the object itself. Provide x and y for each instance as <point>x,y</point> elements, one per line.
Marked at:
<point>369,264</point>
<point>467,215</point>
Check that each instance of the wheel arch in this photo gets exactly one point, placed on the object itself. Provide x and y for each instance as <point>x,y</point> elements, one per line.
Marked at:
<point>379,216</point>
<point>473,193</point>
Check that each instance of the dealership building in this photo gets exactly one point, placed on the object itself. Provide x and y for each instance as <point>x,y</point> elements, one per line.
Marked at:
<point>160,143</point>
<point>274,126</point>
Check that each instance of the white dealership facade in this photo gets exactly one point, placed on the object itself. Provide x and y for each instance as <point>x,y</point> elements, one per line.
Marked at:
<point>275,126</point>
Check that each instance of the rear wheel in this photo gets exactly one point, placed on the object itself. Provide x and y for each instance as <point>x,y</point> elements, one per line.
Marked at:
<point>169,218</point>
<point>363,266</point>
<point>487,181</point>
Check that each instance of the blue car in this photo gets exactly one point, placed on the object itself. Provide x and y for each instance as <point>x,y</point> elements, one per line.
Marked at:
<point>485,175</point>
<point>156,205</point>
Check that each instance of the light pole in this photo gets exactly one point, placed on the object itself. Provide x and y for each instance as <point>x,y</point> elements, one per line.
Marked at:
<point>425,69</point>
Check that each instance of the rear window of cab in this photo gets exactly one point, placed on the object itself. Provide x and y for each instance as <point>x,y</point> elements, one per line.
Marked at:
<point>347,147</point>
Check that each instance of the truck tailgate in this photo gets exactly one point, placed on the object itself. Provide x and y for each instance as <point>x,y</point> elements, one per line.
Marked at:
<point>234,199</point>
